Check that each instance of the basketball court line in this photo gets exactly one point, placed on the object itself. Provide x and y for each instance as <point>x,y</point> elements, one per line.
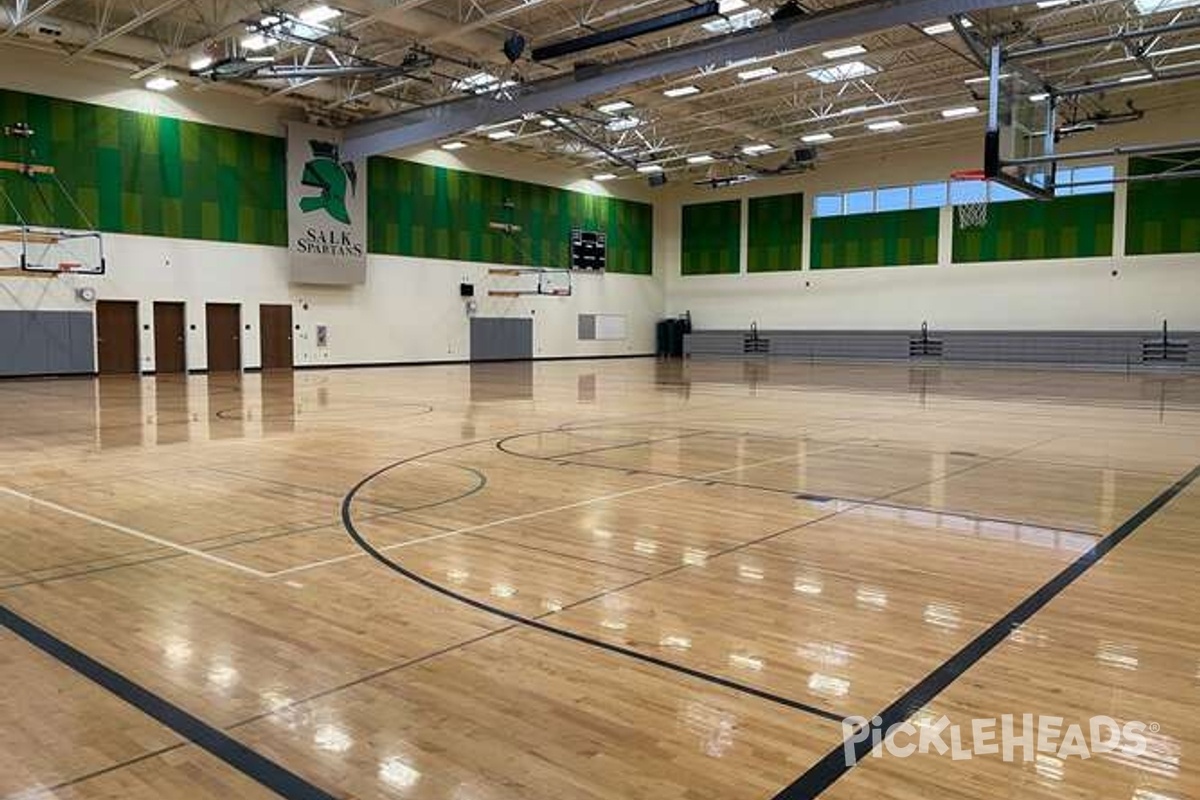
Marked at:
<point>245,760</point>
<point>133,532</point>
<point>820,776</point>
<point>506,520</point>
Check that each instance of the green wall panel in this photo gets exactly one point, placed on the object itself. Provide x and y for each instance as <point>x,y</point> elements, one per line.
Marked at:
<point>712,238</point>
<point>1162,216</point>
<point>434,212</point>
<point>884,239</point>
<point>1017,230</point>
<point>775,233</point>
<point>141,174</point>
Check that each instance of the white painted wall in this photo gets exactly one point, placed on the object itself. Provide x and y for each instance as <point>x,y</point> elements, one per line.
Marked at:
<point>409,310</point>
<point>1075,294</point>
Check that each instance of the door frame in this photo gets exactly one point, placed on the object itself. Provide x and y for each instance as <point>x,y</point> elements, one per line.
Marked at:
<point>154,304</point>
<point>137,333</point>
<point>237,328</point>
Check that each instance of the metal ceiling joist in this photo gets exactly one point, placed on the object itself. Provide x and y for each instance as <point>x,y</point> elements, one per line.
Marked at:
<point>30,17</point>
<point>421,125</point>
<point>130,26</point>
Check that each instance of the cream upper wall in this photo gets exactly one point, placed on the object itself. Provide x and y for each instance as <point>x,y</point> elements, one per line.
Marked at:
<point>408,310</point>
<point>1062,294</point>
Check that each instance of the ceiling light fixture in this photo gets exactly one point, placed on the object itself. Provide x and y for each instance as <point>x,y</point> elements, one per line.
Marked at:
<point>885,125</point>
<point>755,74</point>
<point>814,138</point>
<point>841,72</point>
<point>161,84</point>
<point>604,176</point>
<point>681,91</point>
<point>962,111</point>
<point>200,62</point>
<point>614,107</point>
<point>938,28</point>
<point>755,149</point>
<point>256,42</point>
<point>453,145</point>
<point>318,15</point>
<point>703,158</point>
<point>649,169</point>
<point>844,52</point>
<point>501,134</point>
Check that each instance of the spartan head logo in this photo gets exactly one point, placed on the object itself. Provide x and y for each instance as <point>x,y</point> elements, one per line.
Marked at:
<point>335,180</point>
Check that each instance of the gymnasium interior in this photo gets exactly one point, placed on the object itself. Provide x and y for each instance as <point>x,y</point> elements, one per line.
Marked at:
<point>599,399</point>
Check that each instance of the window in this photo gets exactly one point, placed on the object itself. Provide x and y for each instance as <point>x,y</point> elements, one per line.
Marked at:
<point>827,205</point>
<point>895,198</point>
<point>929,195</point>
<point>860,202</point>
<point>1097,179</point>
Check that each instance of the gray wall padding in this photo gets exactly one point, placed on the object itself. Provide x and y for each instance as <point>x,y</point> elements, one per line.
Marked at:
<point>501,338</point>
<point>1083,348</point>
<point>46,343</point>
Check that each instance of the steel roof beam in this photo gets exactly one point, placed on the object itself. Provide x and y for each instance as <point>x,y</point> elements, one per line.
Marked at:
<point>421,125</point>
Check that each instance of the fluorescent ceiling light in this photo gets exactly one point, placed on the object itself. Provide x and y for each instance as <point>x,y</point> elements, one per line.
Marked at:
<point>754,74</point>
<point>1139,76</point>
<point>623,124</point>
<point>984,78</point>
<point>318,14</point>
<point>1039,98</point>
<point>681,91</point>
<point>962,111</point>
<point>938,28</point>
<point>1156,6</point>
<point>844,52</point>
<point>256,42</point>
<point>735,22</point>
<point>604,176</point>
<point>755,149</point>
<point>161,84</point>
<point>614,107</point>
<point>704,158</point>
<point>200,62</point>
<point>885,125</point>
<point>841,72</point>
<point>1053,3</point>
<point>813,138</point>
<point>502,134</point>
<point>548,123</point>
<point>647,169</point>
<point>453,145</point>
<point>480,83</point>
<point>728,6</point>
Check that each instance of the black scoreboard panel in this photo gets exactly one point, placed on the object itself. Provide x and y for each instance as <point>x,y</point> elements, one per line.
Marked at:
<point>588,250</point>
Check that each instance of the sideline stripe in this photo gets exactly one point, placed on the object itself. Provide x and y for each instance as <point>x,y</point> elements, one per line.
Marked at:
<point>825,772</point>
<point>250,763</point>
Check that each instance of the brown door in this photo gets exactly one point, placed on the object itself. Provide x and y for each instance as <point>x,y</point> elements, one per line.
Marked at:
<point>170,354</point>
<point>275,333</point>
<point>117,336</point>
<point>224,322</point>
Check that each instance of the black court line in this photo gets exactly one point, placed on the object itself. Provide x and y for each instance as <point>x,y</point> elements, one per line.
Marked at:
<point>348,523</point>
<point>250,763</point>
<point>833,766</point>
<point>875,502</point>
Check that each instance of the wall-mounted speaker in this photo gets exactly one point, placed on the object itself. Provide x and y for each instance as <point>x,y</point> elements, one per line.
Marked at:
<point>466,290</point>
<point>658,179</point>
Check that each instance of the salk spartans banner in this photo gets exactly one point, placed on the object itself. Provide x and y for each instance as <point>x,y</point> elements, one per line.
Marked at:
<point>327,208</point>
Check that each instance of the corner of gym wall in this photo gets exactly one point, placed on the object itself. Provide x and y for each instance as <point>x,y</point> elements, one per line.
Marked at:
<point>1124,260</point>
<point>172,234</point>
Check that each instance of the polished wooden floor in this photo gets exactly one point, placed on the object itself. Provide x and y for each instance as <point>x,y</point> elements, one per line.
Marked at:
<point>602,580</point>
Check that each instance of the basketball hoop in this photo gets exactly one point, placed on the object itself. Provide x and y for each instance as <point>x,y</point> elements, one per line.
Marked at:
<point>972,211</point>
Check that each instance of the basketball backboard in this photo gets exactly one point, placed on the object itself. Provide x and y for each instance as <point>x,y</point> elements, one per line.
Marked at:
<point>1019,148</point>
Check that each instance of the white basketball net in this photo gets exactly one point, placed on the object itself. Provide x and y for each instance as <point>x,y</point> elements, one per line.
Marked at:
<point>972,210</point>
